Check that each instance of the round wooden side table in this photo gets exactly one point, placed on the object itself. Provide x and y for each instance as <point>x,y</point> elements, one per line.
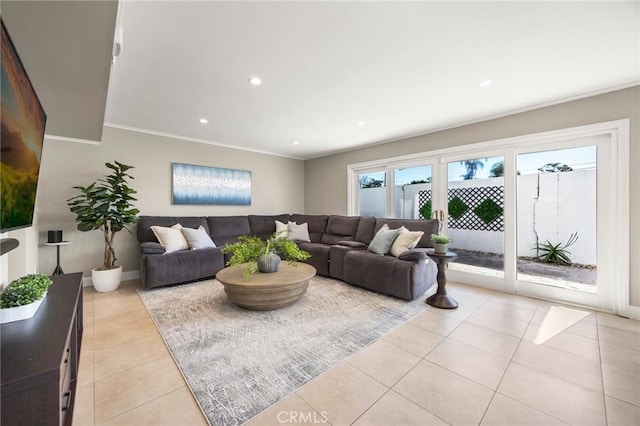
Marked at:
<point>441,299</point>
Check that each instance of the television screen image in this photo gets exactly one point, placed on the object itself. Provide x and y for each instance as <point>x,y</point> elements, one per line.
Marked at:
<point>23,124</point>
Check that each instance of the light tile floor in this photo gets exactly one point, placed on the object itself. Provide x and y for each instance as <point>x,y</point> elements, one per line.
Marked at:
<point>474,365</point>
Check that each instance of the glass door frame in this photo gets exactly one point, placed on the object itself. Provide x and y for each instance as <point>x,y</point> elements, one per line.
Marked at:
<point>616,215</point>
<point>499,283</point>
<point>605,175</point>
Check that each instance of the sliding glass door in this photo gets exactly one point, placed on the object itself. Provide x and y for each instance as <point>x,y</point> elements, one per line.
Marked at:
<point>564,197</point>
<point>475,213</point>
<point>543,216</point>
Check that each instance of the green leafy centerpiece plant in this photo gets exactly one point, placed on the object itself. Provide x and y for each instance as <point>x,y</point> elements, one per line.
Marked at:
<point>253,251</point>
<point>441,242</point>
<point>22,297</point>
<point>106,205</point>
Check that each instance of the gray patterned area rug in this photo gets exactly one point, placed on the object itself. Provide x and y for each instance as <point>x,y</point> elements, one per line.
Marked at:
<point>239,362</point>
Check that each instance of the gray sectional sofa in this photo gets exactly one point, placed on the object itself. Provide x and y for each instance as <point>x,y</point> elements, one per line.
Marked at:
<point>338,249</point>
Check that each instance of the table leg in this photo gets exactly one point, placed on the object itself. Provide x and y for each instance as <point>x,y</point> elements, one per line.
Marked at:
<point>58,270</point>
<point>441,299</point>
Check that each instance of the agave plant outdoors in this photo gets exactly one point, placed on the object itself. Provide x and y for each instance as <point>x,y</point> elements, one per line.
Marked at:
<point>106,205</point>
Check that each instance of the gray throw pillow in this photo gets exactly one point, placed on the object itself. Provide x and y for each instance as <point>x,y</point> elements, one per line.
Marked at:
<point>382,241</point>
<point>198,238</point>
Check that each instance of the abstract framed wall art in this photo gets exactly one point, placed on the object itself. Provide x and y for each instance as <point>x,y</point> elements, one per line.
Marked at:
<point>210,185</point>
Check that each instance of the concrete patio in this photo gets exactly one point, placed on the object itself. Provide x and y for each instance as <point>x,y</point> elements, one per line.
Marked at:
<point>572,274</point>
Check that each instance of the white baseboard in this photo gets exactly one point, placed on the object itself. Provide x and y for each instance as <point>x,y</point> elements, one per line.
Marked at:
<point>634,312</point>
<point>126,276</point>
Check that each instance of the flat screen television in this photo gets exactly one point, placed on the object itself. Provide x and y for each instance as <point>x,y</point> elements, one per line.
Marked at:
<point>23,122</point>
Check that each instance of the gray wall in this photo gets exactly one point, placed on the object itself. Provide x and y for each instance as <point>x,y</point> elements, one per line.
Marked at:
<point>277,187</point>
<point>326,177</point>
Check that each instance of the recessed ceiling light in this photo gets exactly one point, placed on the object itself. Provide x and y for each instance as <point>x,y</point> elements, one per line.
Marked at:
<point>296,143</point>
<point>360,123</point>
<point>255,81</point>
<point>204,120</point>
<point>485,83</point>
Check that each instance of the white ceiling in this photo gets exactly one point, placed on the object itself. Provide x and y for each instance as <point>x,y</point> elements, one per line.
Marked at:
<point>401,68</point>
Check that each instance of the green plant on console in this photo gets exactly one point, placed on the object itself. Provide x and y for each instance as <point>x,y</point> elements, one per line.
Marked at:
<point>441,239</point>
<point>25,290</point>
<point>556,253</point>
<point>249,248</point>
<point>106,205</point>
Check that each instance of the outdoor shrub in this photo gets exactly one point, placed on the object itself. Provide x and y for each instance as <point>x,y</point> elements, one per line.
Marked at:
<point>556,253</point>
<point>25,290</point>
<point>425,210</point>
<point>488,211</point>
<point>457,207</point>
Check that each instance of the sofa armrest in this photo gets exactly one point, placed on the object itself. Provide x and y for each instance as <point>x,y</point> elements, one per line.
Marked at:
<point>414,255</point>
<point>353,244</point>
<point>151,248</point>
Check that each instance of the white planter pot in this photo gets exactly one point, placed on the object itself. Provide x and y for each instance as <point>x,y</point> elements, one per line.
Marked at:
<point>20,312</point>
<point>441,248</point>
<point>106,280</point>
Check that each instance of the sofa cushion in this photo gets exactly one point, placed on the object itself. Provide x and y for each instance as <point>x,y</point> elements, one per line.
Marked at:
<point>365,230</point>
<point>151,248</point>
<point>319,256</point>
<point>317,224</point>
<point>226,229</point>
<point>414,255</point>
<point>171,238</point>
<point>264,226</point>
<point>353,244</point>
<point>340,228</point>
<point>144,232</point>
<point>387,274</point>
<point>406,240</point>
<point>197,238</point>
<point>382,241</point>
<point>181,266</point>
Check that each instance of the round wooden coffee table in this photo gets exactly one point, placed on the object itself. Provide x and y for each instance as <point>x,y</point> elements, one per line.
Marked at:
<point>265,292</point>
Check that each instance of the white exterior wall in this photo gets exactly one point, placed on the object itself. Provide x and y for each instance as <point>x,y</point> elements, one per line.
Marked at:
<point>372,202</point>
<point>567,204</point>
<point>406,202</point>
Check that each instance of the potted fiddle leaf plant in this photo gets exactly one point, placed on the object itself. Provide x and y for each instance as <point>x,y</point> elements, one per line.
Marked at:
<point>106,205</point>
<point>261,255</point>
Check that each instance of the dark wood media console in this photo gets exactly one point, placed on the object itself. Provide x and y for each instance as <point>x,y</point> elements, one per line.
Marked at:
<point>40,358</point>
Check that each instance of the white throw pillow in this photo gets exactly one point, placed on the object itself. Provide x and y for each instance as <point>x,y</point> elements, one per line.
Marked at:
<point>197,238</point>
<point>282,229</point>
<point>405,241</point>
<point>298,232</point>
<point>170,238</point>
